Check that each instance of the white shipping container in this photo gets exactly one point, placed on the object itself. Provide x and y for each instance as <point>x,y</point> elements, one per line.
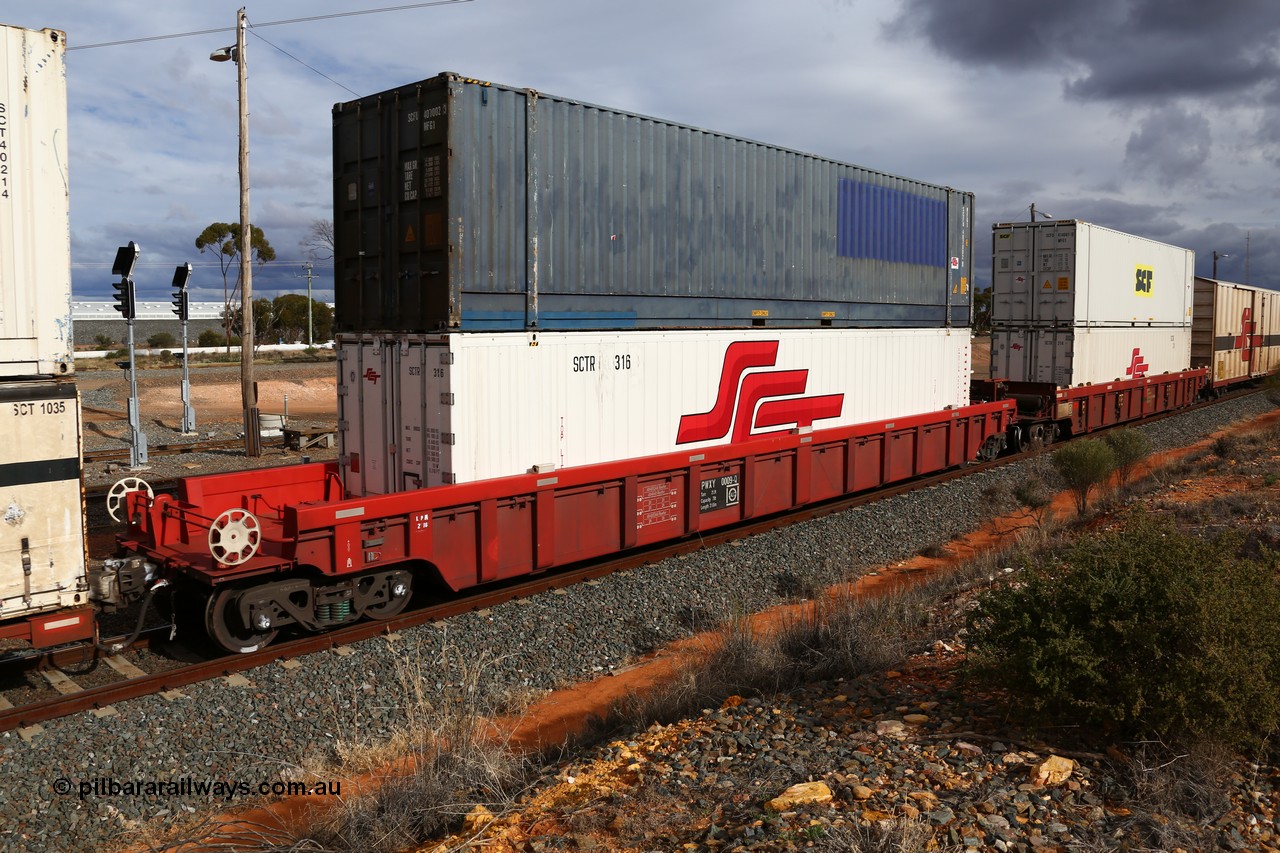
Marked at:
<point>42,556</point>
<point>1072,273</point>
<point>1087,356</point>
<point>35,231</point>
<point>420,410</point>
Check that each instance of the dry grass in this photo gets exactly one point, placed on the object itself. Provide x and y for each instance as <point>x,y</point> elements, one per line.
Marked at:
<point>441,764</point>
<point>900,835</point>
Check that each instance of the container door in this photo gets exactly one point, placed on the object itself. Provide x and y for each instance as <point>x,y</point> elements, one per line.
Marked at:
<point>1009,354</point>
<point>410,393</point>
<point>364,416</point>
<point>1010,276</point>
<point>1055,275</point>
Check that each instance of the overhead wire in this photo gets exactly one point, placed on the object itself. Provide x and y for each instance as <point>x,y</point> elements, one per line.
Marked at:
<point>308,19</point>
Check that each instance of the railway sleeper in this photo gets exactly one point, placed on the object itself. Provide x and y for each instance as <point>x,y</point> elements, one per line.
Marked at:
<point>244,618</point>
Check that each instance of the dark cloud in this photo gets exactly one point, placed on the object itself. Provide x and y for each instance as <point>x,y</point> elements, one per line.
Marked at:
<point>1126,50</point>
<point>1172,144</point>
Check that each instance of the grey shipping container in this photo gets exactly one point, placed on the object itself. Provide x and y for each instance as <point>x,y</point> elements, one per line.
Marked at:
<point>460,204</point>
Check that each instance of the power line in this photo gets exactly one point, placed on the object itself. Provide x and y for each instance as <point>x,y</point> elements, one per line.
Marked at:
<point>330,16</point>
<point>305,65</point>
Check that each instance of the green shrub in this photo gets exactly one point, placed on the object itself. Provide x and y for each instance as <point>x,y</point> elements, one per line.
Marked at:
<point>1147,630</point>
<point>1082,465</point>
<point>1129,447</point>
<point>211,338</point>
<point>161,340</point>
<point>103,341</point>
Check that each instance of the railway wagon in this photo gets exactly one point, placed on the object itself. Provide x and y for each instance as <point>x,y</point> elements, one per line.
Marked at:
<point>262,550</point>
<point>35,229</point>
<point>430,410</point>
<point>462,204</point>
<point>1235,332</point>
<point>1091,328</point>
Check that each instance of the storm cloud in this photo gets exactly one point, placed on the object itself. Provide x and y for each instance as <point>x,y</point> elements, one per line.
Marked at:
<point>1123,50</point>
<point>1172,144</point>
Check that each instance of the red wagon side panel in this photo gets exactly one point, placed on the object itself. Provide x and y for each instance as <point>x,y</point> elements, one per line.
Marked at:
<point>480,532</point>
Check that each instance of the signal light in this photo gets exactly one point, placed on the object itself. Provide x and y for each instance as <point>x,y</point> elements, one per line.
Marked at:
<point>126,301</point>
<point>181,300</point>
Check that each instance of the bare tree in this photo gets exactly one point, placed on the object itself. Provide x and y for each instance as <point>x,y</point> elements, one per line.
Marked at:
<point>318,244</point>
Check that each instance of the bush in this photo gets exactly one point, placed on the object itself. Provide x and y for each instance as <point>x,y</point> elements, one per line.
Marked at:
<point>1129,447</point>
<point>1083,465</point>
<point>1147,630</point>
<point>103,341</point>
<point>211,338</point>
<point>161,340</point>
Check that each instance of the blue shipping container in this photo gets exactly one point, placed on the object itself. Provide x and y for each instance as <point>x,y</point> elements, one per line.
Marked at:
<point>460,204</point>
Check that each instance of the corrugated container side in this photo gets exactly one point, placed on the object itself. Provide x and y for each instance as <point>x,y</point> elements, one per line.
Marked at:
<point>480,405</point>
<point>1236,330</point>
<point>41,503</point>
<point>35,230</point>
<point>1068,272</point>
<point>1069,356</point>
<point>461,204</point>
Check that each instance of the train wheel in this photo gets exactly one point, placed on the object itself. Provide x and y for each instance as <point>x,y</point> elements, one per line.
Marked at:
<point>222,622</point>
<point>400,593</point>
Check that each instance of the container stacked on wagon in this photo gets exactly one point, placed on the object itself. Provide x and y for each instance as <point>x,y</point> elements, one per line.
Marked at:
<point>567,331</point>
<point>44,594</point>
<point>1091,327</point>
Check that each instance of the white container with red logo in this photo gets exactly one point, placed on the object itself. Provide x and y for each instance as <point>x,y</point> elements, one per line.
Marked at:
<point>425,410</point>
<point>1236,333</point>
<point>1068,357</point>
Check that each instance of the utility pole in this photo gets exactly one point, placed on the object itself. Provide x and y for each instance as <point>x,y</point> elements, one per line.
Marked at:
<point>248,390</point>
<point>309,276</point>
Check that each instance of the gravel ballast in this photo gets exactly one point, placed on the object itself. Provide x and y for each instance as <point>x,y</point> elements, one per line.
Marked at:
<point>280,717</point>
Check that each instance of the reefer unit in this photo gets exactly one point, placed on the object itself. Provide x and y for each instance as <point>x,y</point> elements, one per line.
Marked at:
<point>35,231</point>
<point>42,557</point>
<point>1235,331</point>
<point>1073,273</point>
<point>1086,356</point>
<point>420,410</point>
<point>461,204</point>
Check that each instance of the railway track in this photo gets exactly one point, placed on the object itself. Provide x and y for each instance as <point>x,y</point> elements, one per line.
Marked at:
<point>121,454</point>
<point>61,695</point>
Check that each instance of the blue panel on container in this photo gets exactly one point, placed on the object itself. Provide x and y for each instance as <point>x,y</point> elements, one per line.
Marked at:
<point>885,224</point>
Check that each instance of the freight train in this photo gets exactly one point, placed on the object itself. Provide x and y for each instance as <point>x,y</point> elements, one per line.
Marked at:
<point>570,331</point>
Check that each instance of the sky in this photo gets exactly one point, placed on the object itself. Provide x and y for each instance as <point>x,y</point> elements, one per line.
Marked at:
<point>1155,117</point>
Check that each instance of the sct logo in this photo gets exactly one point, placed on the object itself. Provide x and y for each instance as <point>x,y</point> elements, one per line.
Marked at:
<point>742,399</point>
<point>1144,280</point>
<point>372,375</point>
<point>1137,365</point>
<point>1248,337</point>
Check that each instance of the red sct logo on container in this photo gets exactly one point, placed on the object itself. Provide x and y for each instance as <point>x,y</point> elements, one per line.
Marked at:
<point>742,398</point>
<point>372,375</point>
<point>1137,365</point>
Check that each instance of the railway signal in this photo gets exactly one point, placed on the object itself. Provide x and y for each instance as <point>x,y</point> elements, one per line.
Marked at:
<point>126,297</point>
<point>127,305</point>
<point>182,307</point>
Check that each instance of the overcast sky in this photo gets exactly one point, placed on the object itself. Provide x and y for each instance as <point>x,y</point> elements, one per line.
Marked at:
<point>1157,117</point>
